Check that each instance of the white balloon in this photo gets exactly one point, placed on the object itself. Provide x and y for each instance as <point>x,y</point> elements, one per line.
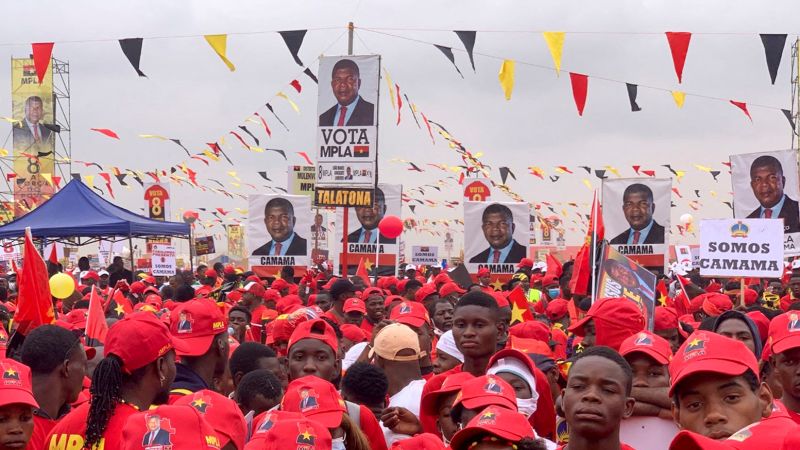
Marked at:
<point>687,218</point>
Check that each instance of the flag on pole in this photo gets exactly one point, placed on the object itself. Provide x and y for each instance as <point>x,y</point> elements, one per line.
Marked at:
<point>96,326</point>
<point>34,304</point>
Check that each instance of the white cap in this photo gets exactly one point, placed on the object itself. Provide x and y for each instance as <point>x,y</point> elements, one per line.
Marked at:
<point>83,274</point>
<point>411,267</point>
<point>102,272</point>
<point>541,265</point>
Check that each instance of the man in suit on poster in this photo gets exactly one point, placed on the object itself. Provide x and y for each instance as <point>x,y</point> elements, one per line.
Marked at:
<point>638,207</point>
<point>767,182</point>
<point>350,110</point>
<point>279,220</point>
<point>31,130</point>
<point>370,217</point>
<point>498,229</point>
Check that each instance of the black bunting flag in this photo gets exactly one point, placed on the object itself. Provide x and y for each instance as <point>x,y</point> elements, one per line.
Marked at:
<point>178,142</point>
<point>412,208</point>
<point>311,75</point>
<point>773,49</point>
<point>244,128</point>
<point>788,115</point>
<point>293,40</point>
<point>505,172</point>
<point>132,48</point>
<point>468,39</point>
<point>411,108</point>
<point>600,173</point>
<point>715,174</point>
<point>269,107</point>
<point>264,176</point>
<point>587,169</point>
<point>632,91</point>
<point>448,53</point>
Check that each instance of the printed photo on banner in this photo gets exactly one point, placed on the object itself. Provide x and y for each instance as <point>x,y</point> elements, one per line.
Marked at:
<point>498,234</point>
<point>278,230</point>
<point>363,237</point>
<point>636,214</point>
<point>741,248</point>
<point>477,189</point>
<point>620,276</point>
<point>765,186</point>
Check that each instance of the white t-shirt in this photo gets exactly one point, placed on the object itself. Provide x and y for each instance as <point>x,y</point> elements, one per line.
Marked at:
<point>409,398</point>
<point>652,433</point>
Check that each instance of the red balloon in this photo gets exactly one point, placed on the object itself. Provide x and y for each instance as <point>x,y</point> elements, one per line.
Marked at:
<point>391,226</point>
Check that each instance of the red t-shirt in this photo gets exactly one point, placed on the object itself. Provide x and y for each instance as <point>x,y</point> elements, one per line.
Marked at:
<point>41,428</point>
<point>792,415</point>
<point>372,429</point>
<point>72,428</point>
<point>332,315</point>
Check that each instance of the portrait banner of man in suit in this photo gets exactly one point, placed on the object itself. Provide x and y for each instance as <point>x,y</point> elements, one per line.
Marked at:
<point>636,214</point>
<point>765,186</point>
<point>620,276</point>
<point>496,235</point>
<point>278,230</point>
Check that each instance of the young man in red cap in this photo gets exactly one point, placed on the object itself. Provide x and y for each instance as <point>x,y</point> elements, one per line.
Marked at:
<point>435,406</point>
<point>340,291</point>
<point>784,343</point>
<point>497,428</point>
<point>609,322</point>
<point>354,311</point>
<point>557,311</point>
<point>206,283</point>
<point>16,406</point>
<point>716,393</point>
<point>204,349</point>
<point>667,326</point>
<point>484,278</point>
<point>137,371</point>
<point>373,301</point>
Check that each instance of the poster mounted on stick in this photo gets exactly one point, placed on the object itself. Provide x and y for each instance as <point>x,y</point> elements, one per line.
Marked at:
<point>741,248</point>
<point>424,255</point>
<point>163,261</point>
<point>499,233</point>
<point>620,276</point>
<point>301,180</point>
<point>277,233</point>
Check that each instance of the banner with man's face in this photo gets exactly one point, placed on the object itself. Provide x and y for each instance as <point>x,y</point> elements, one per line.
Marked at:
<point>619,277</point>
<point>497,235</point>
<point>363,238</point>
<point>765,186</point>
<point>278,232</point>
<point>636,214</point>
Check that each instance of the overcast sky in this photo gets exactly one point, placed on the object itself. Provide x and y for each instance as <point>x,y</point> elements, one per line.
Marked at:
<point>191,95</point>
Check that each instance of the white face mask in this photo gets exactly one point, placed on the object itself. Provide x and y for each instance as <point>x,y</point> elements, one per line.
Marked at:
<point>338,444</point>
<point>526,406</point>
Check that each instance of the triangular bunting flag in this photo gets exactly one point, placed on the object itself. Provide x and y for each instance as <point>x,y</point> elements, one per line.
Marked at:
<point>679,97</point>
<point>293,40</point>
<point>580,85</point>
<point>773,49</point>
<point>311,75</point>
<point>505,172</point>
<point>296,85</point>
<point>468,39</point>
<point>632,91</point>
<point>42,54</point>
<point>743,107</point>
<point>448,53</point>
<point>506,77</point>
<point>788,115</point>
<point>132,48</point>
<point>555,43</point>
<point>679,46</point>
<point>219,42</point>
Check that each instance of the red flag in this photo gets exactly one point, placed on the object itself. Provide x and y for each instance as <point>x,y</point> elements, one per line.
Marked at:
<point>399,103</point>
<point>554,267</point>
<point>106,132</point>
<point>304,155</point>
<point>34,304</point>
<point>581,271</point>
<point>96,326</point>
<point>520,312</point>
<point>42,54</point>
<point>361,271</point>
<point>53,258</point>
<point>743,107</point>
<point>580,85</point>
<point>679,46</point>
<point>296,85</point>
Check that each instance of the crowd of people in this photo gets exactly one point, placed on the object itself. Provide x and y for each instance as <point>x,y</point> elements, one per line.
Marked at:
<point>220,358</point>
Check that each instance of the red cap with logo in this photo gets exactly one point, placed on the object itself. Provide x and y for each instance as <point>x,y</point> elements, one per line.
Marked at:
<point>705,351</point>
<point>410,313</point>
<point>483,272</point>
<point>210,273</point>
<point>443,277</point>
<point>716,304</point>
<point>532,329</point>
<point>615,319</point>
<point>77,317</point>
<point>424,441</point>
<point>16,384</point>
<point>315,329</point>
<point>371,291</point>
<point>90,275</point>
<point>282,430</point>
<point>279,284</point>
<point>253,287</point>
<point>194,324</point>
<point>648,343</point>
<point>138,339</point>
<point>222,413</point>
<point>557,308</point>
<point>450,287</point>
<point>503,423</point>
<point>429,405</point>
<point>425,291</point>
<point>353,304</point>
<point>169,426</point>
<point>316,399</point>
<point>784,332</point>
<point>486,390</point>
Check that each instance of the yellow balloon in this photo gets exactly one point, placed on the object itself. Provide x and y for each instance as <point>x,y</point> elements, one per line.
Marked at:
<point>61,285</point>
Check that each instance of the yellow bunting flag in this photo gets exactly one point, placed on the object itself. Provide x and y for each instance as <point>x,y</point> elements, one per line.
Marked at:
<point>390,84</point>
<point>286,97</point>
<point>153,136</point>
<point>679,174</point>
<point>219,42</point>
<point>48,177</point>
<point>555,42</point>
<point>89,180</point>
<point>587,183</point>
<point>679,97</point>
<point>506,77</point>
<point>3,152</point>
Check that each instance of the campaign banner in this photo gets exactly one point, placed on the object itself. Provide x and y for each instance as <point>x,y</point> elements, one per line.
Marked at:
<point>477,189</point>
<point>10,251</point>
<point>741,248</point>
<point>34,135</point>
<point>347,132</point>
<point>152,241</point>
<point>636,214</point>
<point>204,245</point>
<point>765,186</point>
<point>622,277</point>
<point>683,256</point>
<point>301,180</point>
<point>319,230</point>
<point>362,237</point>
<point>163,261</point>
<point>498,235</point>
<point>156,195</point>
<point>277,232</point>
<point>552,231</point>
<point>235,241</point>
<point>427,255</point>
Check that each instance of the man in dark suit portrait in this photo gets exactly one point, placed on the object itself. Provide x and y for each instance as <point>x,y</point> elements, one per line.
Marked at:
<point>184,324</point>
<point>370,217</point>
<point>638,207</point>
<point>279,220</point>
<point>767,182</point>
<point>498,229</point>
<point>31,130</point>
<point>155,435</point>
<point>350,110</point>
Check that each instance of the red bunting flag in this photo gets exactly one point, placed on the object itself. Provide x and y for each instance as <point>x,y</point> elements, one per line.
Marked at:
<point>56,181</point>
<point>679,46</point>
<point>520,312</point>
<point>296,85</point>
<point>743,107</point>
<point>677,192</point>
<point>53,258</point>
<point>361,271</point>
<point>304,155</point>
<point>106,132</point>
<point>35,305</point>
<point>399,103</point>
<point>96,325</point>
<point>428,124</point>
<point>636,169</point>
<point>580,85</point>
<point>42,54</point>
<point>263,122</point>
<point>649,173</point>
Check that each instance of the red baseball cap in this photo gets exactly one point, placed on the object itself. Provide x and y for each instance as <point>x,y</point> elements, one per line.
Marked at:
<point>500,298</point>
<point>369,291</point>
<point>450,287</point>
<point>392,298</point>
<point>443,277</point>
<point>229,270</point>
<point>705,351</point>
<point>665,318</point>
<point>271,294</point>
<point>282,430</point>
<point>279,284</point>
<point>548,280</point>
<point>138,339</point>
<point>525,262</point>
<point>90,274</point>
<point>503,423</point>
<point>222,413</point>
<point>210,273</point>
<point>253,287</point>
<point>615,319</point>
<point>687,440</point>
<point>154,299</point>
<point>762,323</point>
<point>648,343</point>
<point>149,279</point>
<point>429,404</point>
<point>181,428</point>
<point>354,304</point>
<point>557,308</point>
<point>316,399</point>
<point>410,313</point>
<point>486,390</point>
<point>424,441</point>
<point>315,329</point>
<point>483,271</point>
<point>423,292</point>
<point>77,317</point>
<point>716,304</point>
<point>195,323</point>
<point>784,332</point>
<point>285,304</point>
<point>16,384</point>
<point>532,329</point>
<point>354,333</point>
<point>137,287</point>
